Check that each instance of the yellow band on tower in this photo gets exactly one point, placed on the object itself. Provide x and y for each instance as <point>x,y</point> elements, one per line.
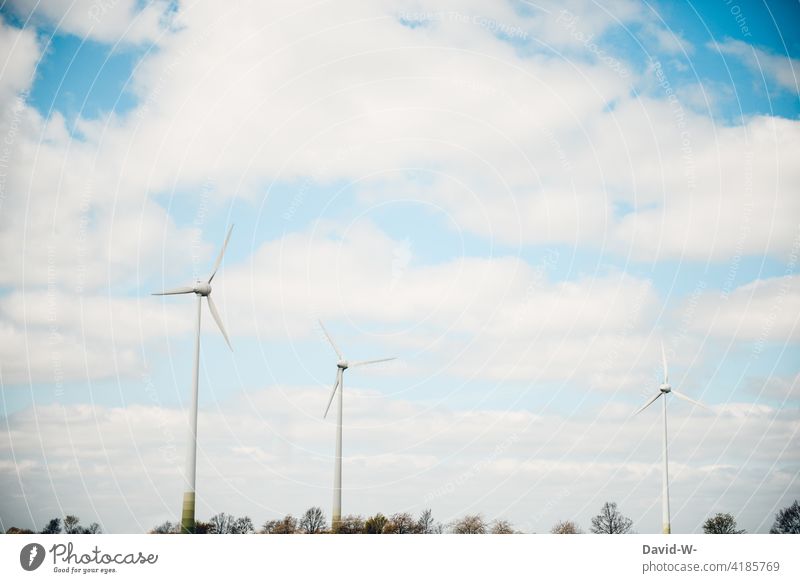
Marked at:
<point>187,517</point>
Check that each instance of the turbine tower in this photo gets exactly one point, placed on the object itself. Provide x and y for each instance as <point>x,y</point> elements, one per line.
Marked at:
<point>664,389</point>
<point>341,366</point>
<point>200,289</point>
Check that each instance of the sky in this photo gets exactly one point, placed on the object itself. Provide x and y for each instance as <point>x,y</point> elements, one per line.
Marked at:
<point>519,200</point>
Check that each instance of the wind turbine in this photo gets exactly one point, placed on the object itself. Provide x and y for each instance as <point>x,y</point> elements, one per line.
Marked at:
<point>341,366</point>
<point>200,289</point>
<point>664,389</point>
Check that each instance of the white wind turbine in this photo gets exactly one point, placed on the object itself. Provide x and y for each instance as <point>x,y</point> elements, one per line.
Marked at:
<point>663,390</point>
<point>201,290</point>
<point>341,366</point>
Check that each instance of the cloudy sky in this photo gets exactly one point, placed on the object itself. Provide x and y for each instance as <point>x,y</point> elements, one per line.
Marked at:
<point>518,199</point>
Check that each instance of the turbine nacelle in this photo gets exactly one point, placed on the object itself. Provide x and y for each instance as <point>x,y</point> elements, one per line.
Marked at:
<point>202,288</point>
<point>342,364</point>
<point>665,388</point>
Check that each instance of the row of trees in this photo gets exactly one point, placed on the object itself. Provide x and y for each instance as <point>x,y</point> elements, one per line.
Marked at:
<point>313,521</point>
<point>609,521</point>
<point>71,525</point>
<point>405,523</point>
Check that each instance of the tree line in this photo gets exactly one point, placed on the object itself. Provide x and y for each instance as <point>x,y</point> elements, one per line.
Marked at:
<point>313,521</point>
<point>609,521</point>
<point>70,524</point>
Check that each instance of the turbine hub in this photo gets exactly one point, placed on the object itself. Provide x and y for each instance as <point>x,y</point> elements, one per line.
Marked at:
<point>202,288</point>
<point>665,388</point>
<point>342,364</point>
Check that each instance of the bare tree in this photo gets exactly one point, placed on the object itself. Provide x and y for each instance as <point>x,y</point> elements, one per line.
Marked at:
<point>313,521</point>
<point>93,528</point>
<point>242,525</point>
<point>611,521</point>
<point>566,527</point>
<point>53,527</point>
<point>375,524</point>
<point>351,524</point>
<point>401,523</point>
<point>18,530</point>
<point>165,528</point>
<point>221,524</point>
<point>72,524</point>
<point>470,524</point>
<point>426,524</point>
<point>269,527</point>
<point>721,524</point>
<point>502,527</point>
<point>787,520</point>
<point>288,525</point>
<point>201,527</point>
<point>285,525</point>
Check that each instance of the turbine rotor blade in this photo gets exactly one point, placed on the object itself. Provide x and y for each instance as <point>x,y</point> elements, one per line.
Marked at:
<point>364,362</point>
<point>664,360</point>
<point>333,392</point>
<point>685,398</point>
<point>328,336</point>
<point>650,402</point>
<point>187,289</point>
<point>218,320</point>
<point>221,253</point>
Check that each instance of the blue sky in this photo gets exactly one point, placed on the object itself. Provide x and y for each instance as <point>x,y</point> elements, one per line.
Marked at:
<point>407,166</point>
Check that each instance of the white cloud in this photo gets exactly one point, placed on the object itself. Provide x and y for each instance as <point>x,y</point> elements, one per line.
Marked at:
<point>496,317</point>
<point>68,218</point>
<point>21,51</point>
<point>36,356</point>
<point>379,86</point>
<point>780,388</point>
<point>522,149</point>
<point>670,41</point>
<point>765,310</point>
<point>112,22</point>
<point>571,25</point>
<point>780,70</point>
<point>55,337</point>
